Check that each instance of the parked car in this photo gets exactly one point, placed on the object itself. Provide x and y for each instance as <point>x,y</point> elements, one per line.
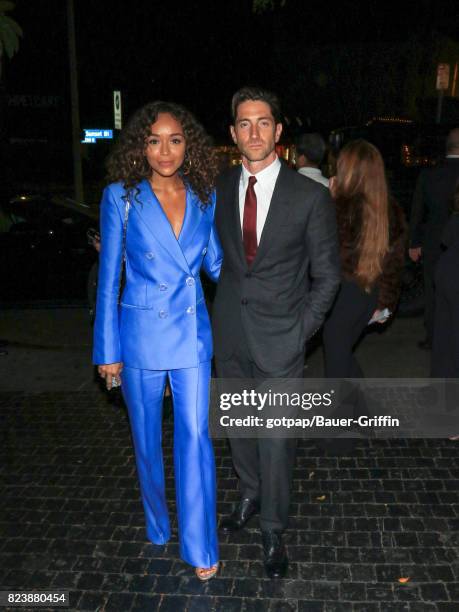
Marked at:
<point>44,250</point>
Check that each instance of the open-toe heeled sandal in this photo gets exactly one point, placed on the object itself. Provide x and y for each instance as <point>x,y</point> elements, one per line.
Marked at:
<point>206,573</point>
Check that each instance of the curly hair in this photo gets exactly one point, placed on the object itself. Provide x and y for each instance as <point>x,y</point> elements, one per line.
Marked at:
<point>127,162</point>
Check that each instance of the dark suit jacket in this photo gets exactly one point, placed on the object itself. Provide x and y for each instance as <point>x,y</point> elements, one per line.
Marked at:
<point>281,300</point>
<point>431,206</point>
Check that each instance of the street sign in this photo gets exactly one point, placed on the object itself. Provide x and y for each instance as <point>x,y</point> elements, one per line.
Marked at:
<point>117,109</point>
<point>91,136</point>
<point>98,133</point>
<point>442,76</point>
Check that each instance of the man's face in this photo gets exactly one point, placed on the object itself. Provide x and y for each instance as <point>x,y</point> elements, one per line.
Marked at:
<point>255,131</point>
<point>300,161</point>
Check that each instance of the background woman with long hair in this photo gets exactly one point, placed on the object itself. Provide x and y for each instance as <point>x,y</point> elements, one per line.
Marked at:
<point>371,230</point>
<point>157,216</point>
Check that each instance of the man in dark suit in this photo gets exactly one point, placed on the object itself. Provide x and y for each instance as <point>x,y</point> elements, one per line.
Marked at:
<point>431,207</point>
<point>279,276</point>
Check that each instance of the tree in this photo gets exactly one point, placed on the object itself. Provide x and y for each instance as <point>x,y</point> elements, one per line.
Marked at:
<point>260,6</point>
<point>10,32</point>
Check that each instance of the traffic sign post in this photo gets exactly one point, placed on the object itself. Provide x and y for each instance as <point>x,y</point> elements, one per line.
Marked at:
<point>92,136</point>
<point>442,85</point>
<point>117,110</point>
<point>442,77</point>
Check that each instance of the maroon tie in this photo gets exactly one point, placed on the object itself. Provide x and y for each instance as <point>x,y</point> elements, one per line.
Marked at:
<point>249,224</point>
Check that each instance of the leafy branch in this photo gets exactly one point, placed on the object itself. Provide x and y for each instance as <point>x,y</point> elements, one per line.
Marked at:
<point>10,30</point>
<point>261,6</point>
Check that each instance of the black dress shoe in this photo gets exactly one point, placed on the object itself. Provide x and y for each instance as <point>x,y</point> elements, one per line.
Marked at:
<point>276,560</point>
<point>426,344</point>
<point>244,510</point>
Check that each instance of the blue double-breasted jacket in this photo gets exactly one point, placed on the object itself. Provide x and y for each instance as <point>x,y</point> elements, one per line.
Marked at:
<point>161,322</point>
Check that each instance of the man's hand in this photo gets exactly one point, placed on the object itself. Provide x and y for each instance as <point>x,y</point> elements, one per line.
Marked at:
<point>415,254</point>
<point>96,244</point>
<point>111,372</point>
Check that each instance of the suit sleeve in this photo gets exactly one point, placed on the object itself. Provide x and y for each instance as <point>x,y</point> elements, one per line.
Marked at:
<point>212,262</point>
<point>325,273</point>
<point>106,328</point>
<point>417,215</point>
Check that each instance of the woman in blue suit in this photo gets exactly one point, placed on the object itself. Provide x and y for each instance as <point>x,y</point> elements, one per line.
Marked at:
<point>158,216</point>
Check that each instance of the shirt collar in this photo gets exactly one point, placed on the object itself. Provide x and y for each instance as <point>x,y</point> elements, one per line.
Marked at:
<point>308,171</point>
<point>265,176</point>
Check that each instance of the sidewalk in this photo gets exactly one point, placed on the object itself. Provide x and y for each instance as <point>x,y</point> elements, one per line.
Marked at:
<point>51,351</point>
<point>72,517</point>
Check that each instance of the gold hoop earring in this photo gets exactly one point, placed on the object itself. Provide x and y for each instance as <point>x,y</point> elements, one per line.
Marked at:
<point>187,166</point>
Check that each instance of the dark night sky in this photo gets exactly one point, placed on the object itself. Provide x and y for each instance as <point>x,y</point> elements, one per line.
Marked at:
<point>198,52</point>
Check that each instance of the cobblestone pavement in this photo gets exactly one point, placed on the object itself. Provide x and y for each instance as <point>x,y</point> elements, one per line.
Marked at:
<point>72,520</point>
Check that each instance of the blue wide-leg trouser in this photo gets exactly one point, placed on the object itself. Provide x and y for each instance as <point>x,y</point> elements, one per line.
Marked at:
<point>194,463</point>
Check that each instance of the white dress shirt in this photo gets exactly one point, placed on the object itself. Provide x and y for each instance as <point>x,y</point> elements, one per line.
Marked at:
<point>264,187</point>
<point>315,174</point>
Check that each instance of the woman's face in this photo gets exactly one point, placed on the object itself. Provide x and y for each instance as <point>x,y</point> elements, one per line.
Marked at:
<point>165,147</point>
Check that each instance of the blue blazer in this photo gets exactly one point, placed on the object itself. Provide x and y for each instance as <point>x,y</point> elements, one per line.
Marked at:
<point>162,321</point>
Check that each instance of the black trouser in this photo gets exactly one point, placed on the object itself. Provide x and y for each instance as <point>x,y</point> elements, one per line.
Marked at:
<point>429,264</point>
<point>348,318</point>
<point>264,465</point>
<point>445,350</point>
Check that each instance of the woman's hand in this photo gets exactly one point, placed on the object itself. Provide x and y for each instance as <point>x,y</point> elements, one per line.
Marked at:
<point>378,318</point>
<point>111,372</point>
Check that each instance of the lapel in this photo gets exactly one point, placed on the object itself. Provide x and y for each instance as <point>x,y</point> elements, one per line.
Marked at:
<point>278,213</point>
<point>151,213</point>
<point>234,219</point>
<point>191,221</point>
